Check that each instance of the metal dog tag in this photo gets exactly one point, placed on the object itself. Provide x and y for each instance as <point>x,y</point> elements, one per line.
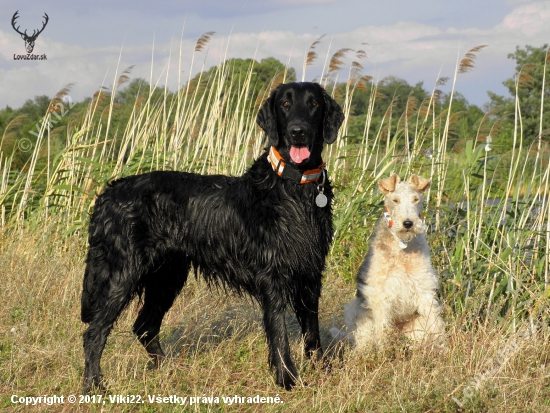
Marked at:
<point>403,244</point>
<point>321,200</point>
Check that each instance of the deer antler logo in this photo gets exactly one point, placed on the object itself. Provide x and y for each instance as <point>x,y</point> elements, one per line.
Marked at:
<point>29,40</point>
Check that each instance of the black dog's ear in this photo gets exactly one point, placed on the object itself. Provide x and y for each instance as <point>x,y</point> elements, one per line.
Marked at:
<point>267,119</point>
<point>333,118</point>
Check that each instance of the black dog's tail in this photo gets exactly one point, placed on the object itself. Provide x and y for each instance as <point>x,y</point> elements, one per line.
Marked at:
<point>95,288</point>
<point>105,260</point>
<point>89,299</point>
<point>92,292</point>
<point>96,278</point>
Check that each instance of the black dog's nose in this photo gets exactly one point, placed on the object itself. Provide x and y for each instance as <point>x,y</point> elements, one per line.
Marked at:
<point>408,224</point>
<point>297,131</point>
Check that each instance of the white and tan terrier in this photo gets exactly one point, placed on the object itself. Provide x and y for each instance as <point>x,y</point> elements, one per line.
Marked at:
<point>396,284</point>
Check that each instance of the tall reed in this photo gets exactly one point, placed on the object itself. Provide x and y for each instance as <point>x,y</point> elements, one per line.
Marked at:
<point>490,228</point>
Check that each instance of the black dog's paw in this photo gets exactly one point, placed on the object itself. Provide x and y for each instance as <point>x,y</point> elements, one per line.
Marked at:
<point>93,385</point>
<point>287,378</point>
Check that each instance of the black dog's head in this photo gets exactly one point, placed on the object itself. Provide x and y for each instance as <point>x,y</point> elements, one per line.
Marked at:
<point>298,118</point>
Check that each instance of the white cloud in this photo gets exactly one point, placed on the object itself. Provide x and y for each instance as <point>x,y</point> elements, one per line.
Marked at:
<point>529,19</point>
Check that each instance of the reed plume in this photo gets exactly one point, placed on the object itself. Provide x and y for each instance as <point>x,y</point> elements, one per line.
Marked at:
<point>311,54</point>
<point>203,41</point>
<point>336,62</point>
<point>467,62</point>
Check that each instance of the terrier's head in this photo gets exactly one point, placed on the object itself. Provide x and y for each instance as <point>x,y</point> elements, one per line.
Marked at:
<point>404,205</point>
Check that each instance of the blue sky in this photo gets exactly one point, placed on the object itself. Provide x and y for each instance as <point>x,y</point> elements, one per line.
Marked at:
<point>90,43</point>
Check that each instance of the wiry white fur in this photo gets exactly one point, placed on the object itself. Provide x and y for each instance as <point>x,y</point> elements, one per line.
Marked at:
<point>396,285</point>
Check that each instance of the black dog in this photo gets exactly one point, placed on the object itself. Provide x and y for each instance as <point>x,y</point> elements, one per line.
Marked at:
<point>266,234</point>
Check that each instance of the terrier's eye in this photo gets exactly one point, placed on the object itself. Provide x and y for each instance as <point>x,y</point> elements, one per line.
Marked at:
<point>416,200</point>
<point>395,201</point>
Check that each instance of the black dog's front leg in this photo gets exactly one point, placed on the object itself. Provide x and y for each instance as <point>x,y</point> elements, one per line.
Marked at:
<point>277,341</point>
<point>306,305</point>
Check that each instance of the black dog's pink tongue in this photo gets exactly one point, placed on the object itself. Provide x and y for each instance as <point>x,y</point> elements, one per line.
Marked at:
<point>298,154</point>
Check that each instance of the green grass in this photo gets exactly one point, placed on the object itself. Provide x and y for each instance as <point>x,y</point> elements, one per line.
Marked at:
<point>489,228</point>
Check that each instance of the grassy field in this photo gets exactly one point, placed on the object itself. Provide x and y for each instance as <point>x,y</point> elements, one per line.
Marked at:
<point>489,228</point>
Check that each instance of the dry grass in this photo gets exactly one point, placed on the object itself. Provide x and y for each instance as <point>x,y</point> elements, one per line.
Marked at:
<point>216,347</point>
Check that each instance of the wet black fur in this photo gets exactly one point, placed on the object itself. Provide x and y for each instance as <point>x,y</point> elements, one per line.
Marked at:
<point>258,234</point>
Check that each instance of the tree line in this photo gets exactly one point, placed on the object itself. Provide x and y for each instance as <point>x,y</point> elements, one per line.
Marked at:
<point>393,95</point>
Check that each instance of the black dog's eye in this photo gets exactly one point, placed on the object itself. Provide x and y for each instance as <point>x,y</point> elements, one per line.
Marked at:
<point>286,104</point>
<point>314,104</point>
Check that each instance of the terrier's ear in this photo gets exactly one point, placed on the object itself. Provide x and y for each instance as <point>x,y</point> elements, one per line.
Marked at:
<point>419,183</point>
<point>387,185</point>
